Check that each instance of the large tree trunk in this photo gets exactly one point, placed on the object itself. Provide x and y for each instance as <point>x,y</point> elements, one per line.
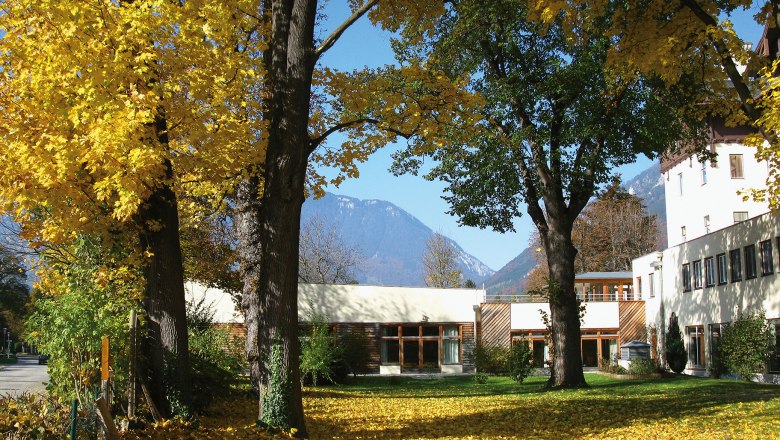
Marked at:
<point>246,218</point>
<point>566,371</point>
<point>289,79</point>
<point>166,340</point>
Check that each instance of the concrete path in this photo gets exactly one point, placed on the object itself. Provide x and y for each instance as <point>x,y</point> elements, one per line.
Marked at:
<point>26,376</point>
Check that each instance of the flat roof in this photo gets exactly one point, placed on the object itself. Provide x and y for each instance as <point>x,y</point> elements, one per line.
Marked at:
<point>603,276</point>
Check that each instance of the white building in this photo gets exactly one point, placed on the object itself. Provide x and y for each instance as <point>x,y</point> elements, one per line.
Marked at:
<point>724,252</point>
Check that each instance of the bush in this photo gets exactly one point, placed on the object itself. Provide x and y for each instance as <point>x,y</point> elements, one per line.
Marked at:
<point>717,366</point>
<point>493,359</point>
<point>746,344</point>
<point>480,378</point>
<point>520,359</point>
<point>642,366</point>
<point>355,354</point>
<point>32,416</point>
<point>612,368</point>
<point>216,357</point>
<point>319,351</point>
<point>676,356</point>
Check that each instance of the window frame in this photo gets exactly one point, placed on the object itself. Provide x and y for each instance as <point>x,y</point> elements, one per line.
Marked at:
<point>697,275</point>
<point>695,332</point>
<point>735,270</point>
<point>740,212</point>
<point>751,270</point>
<point>686,277</point>
<point>767,259</point>
<point>722,267</point>
<point>707,224</point>
<point>651,284</point>
<point>709,272</point>
<point>737,168</point>
<point>704,173</point>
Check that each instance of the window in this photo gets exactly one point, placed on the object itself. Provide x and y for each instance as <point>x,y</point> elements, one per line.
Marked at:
<point>704,172</point>
<point>679,178</point>
<point>682,232</point>
<point>450,344</point>
<point>709,272</point>
<point>697,274</point>
<point>767,265</point>
<point>736,265</point>
<point>706,224</point>
<point>686,277</point>
<point>735,161</point>
<point>695,346</point>
<point>740,216</point>
<point>716,331</point>
<point>774,361</point>
<point>722,271</point>
<point>639,285</point>
<point>750,261</point>
<point>650,285</point>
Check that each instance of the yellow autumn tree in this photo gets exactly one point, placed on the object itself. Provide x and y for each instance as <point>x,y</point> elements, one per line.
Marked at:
<point>109,111</point>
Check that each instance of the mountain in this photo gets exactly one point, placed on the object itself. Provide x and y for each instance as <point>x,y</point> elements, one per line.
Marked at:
<point>391,240</point>
<point>649,185</point>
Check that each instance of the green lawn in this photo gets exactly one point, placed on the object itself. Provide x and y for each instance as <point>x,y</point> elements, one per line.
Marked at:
<point>457,408</point>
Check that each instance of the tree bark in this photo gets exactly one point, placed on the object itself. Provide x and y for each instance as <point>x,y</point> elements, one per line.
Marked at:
<point>566,371</point>
<point>166,339</point>
<point>289,78</point>
<point>246,216</point>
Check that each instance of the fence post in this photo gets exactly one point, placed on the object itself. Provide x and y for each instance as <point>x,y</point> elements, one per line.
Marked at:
<point>131,386</point>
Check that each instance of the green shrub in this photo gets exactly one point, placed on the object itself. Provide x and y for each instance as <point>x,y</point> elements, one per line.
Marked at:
<point>31,416</point>
<point>355,354</point>
<point>493,359</point>
<point>319,351</point>
<point>480,378</point>
<point>717,366</point>
<point>676,356</point>
<point>612,368</point>
<point>642,366</point>
<point>520,361</point>
<point>746,344</point>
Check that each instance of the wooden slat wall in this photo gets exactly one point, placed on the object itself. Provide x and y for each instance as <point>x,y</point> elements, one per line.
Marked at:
<point>495,324</point>
<point>469,343</point>
<point>372,333</point>
<point>632,321</point>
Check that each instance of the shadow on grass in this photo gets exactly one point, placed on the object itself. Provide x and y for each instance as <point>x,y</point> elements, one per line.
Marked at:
<point>534,412</point>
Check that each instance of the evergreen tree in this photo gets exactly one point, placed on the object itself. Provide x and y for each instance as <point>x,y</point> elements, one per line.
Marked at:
<point>675,348</point>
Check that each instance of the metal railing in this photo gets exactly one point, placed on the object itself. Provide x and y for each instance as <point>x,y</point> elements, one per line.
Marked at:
<point>588,297</point>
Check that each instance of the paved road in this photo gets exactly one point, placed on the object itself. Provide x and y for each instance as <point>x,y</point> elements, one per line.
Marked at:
<point>26,376</point>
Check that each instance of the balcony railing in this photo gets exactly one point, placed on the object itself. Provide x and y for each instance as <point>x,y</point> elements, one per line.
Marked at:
<point>588,297</point>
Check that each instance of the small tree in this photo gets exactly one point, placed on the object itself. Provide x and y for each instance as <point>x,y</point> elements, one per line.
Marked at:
<point>520,357</point>
<point>746,344</point>
<point>441,267</point>
<point>355,354</point>
<point>676,356</point>
<point>324,256</point>
<point>319,351</point>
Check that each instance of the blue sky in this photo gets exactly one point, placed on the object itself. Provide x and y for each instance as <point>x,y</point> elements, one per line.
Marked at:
<point>363,45</point>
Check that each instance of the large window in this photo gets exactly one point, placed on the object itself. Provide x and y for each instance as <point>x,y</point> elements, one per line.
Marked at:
<point>750,261</point>
<point>695,346</point>
<point>716,331</point>
<point>709,272</point>
<point>697,274</point>
<point>722,269</point>
<point>686,277</point>
<point>420,346</point>
<point>450,344</point>
<point>767,264</point>
<point>736,265</point>
<point>735,162</point>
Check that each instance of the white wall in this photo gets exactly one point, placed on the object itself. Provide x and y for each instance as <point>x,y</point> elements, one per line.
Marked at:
<point>718,198</point>
<point>719,303</point>
<point>356,303</point>
<point>526,316</point>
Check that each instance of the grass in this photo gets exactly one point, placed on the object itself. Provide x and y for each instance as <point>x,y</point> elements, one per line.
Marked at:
<point>456,407</point>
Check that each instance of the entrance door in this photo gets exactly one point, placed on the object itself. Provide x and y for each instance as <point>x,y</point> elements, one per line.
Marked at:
<point>590,353</point>
<point>430,359</point>
<point>411,355</point>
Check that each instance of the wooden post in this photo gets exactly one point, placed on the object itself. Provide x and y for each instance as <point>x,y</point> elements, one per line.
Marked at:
<point>131,385</point>
<point>105,412</point>
<point>107,424</point>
